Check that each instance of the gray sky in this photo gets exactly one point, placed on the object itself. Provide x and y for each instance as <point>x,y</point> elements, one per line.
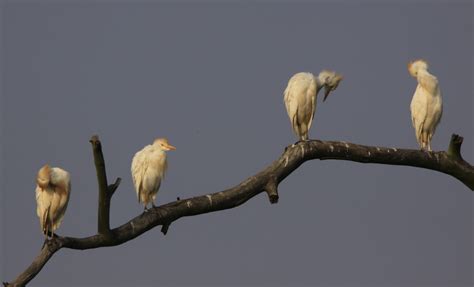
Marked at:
<point>210,77</point>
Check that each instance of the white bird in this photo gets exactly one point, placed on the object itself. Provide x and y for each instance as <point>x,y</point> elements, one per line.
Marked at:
<point>300,98</point>
<point>148,170</point>
<point>53,187</point>
<point>426,106</point>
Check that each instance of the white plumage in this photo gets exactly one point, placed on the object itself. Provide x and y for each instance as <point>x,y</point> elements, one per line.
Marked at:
<point>300,98</point>
<point>53,187</point>
<point>148,170</point>
<point>426,106</point>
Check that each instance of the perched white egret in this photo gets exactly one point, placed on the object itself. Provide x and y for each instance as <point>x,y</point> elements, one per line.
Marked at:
<point>300,98</point>
<point>426,106</point>
<point>53,187</point>
<point>148,169</point>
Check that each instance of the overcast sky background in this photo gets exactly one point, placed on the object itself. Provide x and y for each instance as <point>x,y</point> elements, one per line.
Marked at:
<point>210,77</point>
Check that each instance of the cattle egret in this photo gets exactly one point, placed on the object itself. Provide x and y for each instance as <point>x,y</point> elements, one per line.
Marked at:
<point>148,169</point>
<point>300,98</point>
<point>53,186</point>
<point>426,106</point>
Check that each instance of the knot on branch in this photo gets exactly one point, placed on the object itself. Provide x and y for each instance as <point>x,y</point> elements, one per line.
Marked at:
<point>272,190</point>
<point>454,149</point>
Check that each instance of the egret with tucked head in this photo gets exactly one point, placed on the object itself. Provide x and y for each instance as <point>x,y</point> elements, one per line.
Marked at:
<point>426,105</point>
<point>300,98</point>
<point>148,170</point>
<point>53,187</point>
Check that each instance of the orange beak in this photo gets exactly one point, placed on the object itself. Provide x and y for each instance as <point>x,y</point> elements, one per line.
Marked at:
<point>169,147</point>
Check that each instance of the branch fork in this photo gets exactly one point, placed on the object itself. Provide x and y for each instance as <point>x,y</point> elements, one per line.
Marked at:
<point>106,191</point>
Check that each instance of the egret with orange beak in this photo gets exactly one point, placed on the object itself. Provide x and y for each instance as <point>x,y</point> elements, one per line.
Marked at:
<point>148,170</point>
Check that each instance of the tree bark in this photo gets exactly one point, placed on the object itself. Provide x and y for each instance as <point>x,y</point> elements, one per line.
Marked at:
<point>267,180</point>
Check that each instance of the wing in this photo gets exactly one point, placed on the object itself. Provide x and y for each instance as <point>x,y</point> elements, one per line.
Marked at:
<point>61,200</point>
<point>61,180</point>
<point>291,103</point>
<point>161,163</point>
<point>138,169</point>
<point>43,201</point>
<point>428,82</point>
<point>440,111</point>
<point>311,93</point>
<point>164,165</point>
<point>418,107</point>
<point>437,114</point>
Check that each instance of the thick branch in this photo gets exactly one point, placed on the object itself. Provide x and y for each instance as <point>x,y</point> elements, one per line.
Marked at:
<point>35,267</point>
<point>105,191</point>
<point>267,180</point>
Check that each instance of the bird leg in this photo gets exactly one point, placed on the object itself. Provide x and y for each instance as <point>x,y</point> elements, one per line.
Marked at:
<point>45,223</point>
<point>44,243</point>
<point>51,226</point>
<point>426,145</point>
<point>429,146</point>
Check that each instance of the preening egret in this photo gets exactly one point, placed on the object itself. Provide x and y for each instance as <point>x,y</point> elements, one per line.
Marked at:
<point>426,106</point>
<point>148,169</point>
<point>300,98</point>
<point>53,187</point>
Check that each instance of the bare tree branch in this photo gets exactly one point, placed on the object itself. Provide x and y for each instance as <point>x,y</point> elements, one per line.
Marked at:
<point>105,191</point>
<point>267,180</point>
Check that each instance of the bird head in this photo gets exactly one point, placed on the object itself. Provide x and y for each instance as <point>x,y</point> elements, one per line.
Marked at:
<point>415,66</point>
<point>163,144</point>
<point>330,80</point>
<point>44,176</point>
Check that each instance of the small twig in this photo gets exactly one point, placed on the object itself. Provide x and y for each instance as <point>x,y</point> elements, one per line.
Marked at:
<point>113,187</point>
<point>165,227</point>
<point>454,149</point>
